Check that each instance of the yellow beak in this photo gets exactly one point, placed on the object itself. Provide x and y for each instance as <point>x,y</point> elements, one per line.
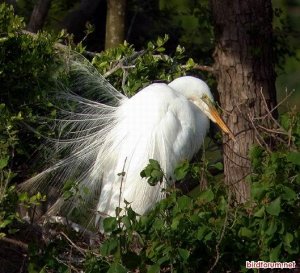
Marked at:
<point>217,118</point>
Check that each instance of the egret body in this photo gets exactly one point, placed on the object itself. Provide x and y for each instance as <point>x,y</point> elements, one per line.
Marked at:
<point>165,122</point>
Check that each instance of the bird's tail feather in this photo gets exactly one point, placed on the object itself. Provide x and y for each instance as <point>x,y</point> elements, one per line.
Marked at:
<point>83,126</point>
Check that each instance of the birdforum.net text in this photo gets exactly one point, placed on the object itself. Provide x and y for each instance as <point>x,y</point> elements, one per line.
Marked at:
<point>263,264</point>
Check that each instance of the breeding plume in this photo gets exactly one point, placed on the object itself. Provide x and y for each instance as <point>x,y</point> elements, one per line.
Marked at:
<point>108,143</point>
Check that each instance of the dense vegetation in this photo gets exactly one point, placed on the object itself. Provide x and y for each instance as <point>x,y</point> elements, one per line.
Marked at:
<point>202,232</point>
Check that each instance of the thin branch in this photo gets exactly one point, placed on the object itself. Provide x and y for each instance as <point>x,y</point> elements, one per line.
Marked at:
<point>258,134</point>
<point>122,180</point>
<point>269,113</point>
<point>15,242</point>
<point>274,108</point>
<point>204,68</point>
<point>274,131</point>
<point>124,63</point>
<point>81,250</point>
<point>199,67</point>
<point>89,236</point>
<point>68,265</point>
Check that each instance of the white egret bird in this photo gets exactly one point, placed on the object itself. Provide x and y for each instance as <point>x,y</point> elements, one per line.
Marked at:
<point>165,122</point>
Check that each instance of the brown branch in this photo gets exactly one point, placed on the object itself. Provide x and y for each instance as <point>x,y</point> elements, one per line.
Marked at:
<point>199,67</point>
<point>204,68</point>
<point>258,134</point>
<point>269,113</point>
<point>79,249</point>
<point>15,242</point>
<point>88,235</point>
<point>275,108</point>
<point>124,63</point>
<point>274,131</point>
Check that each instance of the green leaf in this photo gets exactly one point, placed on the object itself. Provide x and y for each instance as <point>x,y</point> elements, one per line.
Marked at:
<point>274,207</point>
<point>293,157</point>
<point>5,223</point>
<point>131,214</point>
<point>117,268</point>
<point>190,63</point>
<point>272,228</point>
<point>184,202</point>
<point>258,191</point>
<point>219,166</point>
<point>206,196</point>
<point>288,238</point>
<point>154,269</point>
<point>288,194</point>
<point>245,232</point>
<point>110,224</point>
<point>109,247</point>
<point>260,213</point>
<point>181,170</point>
<point>183,253</point>
<point>175,222</point>
<point>201,232</point>
<point>4,162</point>
<point>275,253</point>
<point>23,197</point>
<point>153,172</point>
<point>285,121</point>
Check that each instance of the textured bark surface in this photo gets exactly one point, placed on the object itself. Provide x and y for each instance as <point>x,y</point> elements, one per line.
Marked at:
<point>38,15</point>
<point>244,66</point>
<point>115,23</point>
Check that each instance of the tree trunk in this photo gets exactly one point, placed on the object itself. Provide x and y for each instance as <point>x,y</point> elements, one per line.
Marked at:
<point>244,65</point>
<point>115,23</point>
<point>38,15</point>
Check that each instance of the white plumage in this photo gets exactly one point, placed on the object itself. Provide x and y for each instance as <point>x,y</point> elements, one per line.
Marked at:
<point>157,123</point>
<point>167,123</point>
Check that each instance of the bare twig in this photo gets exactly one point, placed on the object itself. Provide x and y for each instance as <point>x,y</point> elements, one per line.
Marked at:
<point>281,102</point>
<point>257,134</point>
<point>199,67</point>
<point>81,250</point>
<point>204,68</point>
<point>15,242</point>
<point>68,265</point>
<point>269,112</point>
<point>124,63</point>
<point>273,131</point>
<point>89,236</point>
<point>122,180</point>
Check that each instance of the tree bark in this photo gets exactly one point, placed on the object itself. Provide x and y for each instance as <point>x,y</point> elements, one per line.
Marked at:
<point>38,15</point>
<point>115,23</point>
<point>244,65</point>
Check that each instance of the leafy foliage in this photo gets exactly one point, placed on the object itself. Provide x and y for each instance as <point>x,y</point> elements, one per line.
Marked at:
<point>172,236</point>
<point>131,70</point>
<point>207,232</point>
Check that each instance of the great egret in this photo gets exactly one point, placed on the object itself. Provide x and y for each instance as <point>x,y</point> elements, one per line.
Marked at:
<point>165,122</point>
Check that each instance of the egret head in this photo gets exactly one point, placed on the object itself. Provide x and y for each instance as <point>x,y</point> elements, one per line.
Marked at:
<point>198,92</point>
